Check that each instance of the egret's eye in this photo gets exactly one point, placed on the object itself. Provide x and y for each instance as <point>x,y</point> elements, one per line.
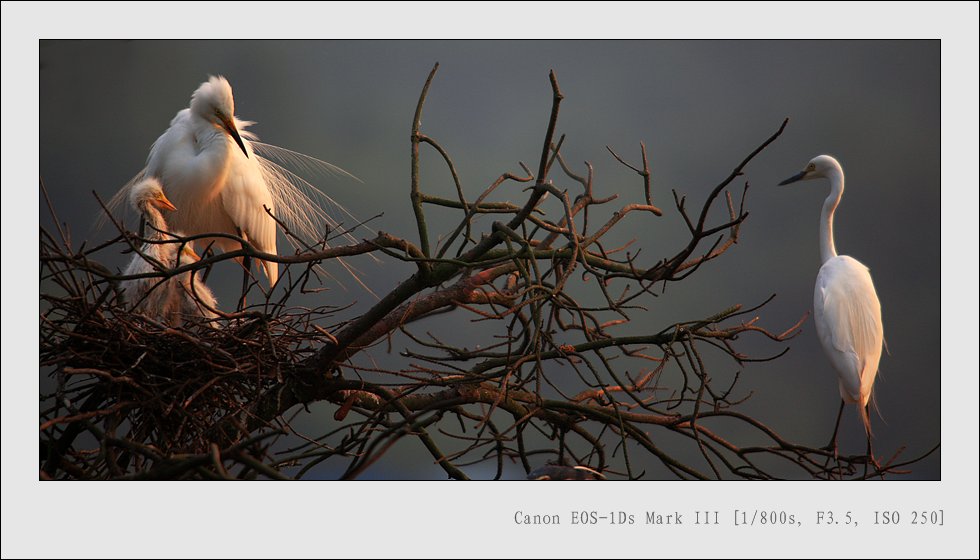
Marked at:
<point>811,167</point>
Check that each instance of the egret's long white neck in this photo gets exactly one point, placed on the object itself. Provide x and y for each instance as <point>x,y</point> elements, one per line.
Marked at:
<point>827,249</point>
<point>155,219</point>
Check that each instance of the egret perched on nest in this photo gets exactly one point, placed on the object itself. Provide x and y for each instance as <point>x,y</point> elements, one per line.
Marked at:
<point>173,299</point>
<point>845,306</point>
<point>208,166</point>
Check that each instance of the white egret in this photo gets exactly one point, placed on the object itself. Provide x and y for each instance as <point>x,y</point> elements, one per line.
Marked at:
<point>207,165</point>
<point>846,309</point>
<point>172,299</point>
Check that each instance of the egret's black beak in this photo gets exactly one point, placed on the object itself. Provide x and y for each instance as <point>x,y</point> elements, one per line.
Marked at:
<point>794,178</point>
<point>230,127</point>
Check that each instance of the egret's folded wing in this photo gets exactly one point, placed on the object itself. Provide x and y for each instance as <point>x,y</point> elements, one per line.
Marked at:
<point>246,199</point>
<point>853,315</point>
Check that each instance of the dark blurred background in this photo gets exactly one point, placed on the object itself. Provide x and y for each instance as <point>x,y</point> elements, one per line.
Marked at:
<point>700,107</point>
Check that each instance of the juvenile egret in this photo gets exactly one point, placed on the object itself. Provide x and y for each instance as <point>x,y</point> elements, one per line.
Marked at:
<point>207,165</point>
<point>845,306</point>
<point>173,299</point>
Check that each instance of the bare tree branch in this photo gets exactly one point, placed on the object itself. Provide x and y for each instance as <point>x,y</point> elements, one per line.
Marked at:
<point>559,384</point>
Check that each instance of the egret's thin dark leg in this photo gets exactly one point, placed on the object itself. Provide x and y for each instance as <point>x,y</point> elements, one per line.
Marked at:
<point>832,446</point>
<point>871,456</point>
<point>247,265</point>
<point>869,459</point>
<point>208,253</point>
<point>833,439</point>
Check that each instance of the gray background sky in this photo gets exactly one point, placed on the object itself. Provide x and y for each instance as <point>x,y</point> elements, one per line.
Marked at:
<point>700,106</point>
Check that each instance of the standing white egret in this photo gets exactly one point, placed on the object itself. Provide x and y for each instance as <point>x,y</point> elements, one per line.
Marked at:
<point>845,306</point>
<point>172,299</point>
<point>208,168</point>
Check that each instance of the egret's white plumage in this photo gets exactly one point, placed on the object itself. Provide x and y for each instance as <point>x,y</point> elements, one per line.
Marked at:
<point>174,299</point>
<point>848,318</point>
<point>846,309</point>
<point>207,165</point>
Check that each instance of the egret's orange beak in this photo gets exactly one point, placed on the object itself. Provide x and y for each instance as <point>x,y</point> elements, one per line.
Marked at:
<point>164,203</point>
<point>191,253</point>
<point>229,125</point>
